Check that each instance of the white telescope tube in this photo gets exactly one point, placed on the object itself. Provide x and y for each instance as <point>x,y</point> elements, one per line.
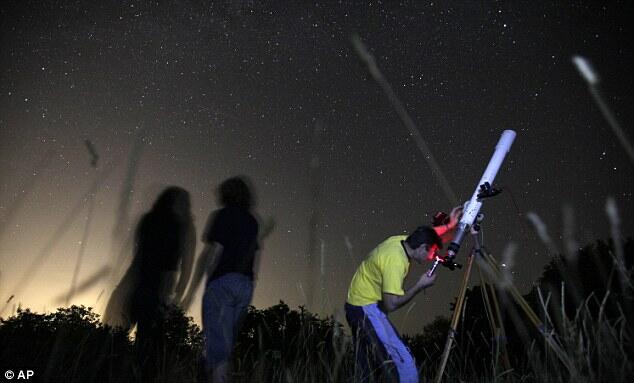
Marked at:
<point>473,207</point>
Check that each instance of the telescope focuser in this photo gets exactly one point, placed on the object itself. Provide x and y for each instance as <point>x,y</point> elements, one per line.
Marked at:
<point>447,261</point>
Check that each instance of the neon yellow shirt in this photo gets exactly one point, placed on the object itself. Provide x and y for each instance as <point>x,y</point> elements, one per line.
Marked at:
<point>383,271</point>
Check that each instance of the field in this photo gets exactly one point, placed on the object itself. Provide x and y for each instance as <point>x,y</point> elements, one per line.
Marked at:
<point>586,313</point>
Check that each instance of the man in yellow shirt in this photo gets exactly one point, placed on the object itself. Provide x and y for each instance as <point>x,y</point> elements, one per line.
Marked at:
<point>377,289</point>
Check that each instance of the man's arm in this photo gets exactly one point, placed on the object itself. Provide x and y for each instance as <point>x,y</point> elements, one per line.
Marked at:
<point>393,302</point>
<point>207,261</point>
<point>454,216</point>
<point>186,264</point>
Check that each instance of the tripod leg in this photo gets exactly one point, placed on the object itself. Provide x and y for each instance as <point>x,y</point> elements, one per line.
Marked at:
<point>519,299</point>
<point>454,320</point>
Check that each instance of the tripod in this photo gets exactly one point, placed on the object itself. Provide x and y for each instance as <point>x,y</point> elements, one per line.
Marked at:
<point>495,318</point>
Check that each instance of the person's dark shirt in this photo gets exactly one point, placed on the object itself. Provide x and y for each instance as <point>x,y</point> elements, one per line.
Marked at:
<point>237,231</point>
<point>160,242</point>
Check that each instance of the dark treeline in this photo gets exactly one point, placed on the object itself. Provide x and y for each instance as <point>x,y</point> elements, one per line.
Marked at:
<point>589,318</point>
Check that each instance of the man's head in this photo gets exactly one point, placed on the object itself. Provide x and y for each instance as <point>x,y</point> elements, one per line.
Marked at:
<point>423,242</point>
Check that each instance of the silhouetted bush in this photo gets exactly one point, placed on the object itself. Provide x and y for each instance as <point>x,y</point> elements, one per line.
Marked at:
<point>68,345</point>
<point>277,343</point>
<point>71,345</point>
<point>427,347</point>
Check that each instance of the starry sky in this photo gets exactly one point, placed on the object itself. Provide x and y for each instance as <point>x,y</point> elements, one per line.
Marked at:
<point>190,92</point>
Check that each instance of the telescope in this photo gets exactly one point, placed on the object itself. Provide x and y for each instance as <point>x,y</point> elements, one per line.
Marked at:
<point>471,212</point>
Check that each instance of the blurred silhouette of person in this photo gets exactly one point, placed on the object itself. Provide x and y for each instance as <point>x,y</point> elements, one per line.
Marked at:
<point>164,247</point>
<point>228,258</point>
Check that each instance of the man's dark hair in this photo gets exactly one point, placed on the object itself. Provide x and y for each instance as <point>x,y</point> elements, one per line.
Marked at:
<point>423,235</point>
<point>235,191</point>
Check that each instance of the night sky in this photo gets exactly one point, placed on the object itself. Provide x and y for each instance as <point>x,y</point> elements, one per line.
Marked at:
<point>189,93</point>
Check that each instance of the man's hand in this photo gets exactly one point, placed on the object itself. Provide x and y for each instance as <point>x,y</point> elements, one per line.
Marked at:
<point>454,216</point>
<point>391,302</point>
<point>425,281</point>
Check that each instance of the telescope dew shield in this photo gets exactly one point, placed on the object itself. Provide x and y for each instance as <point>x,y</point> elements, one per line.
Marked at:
<point>472,209</point>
